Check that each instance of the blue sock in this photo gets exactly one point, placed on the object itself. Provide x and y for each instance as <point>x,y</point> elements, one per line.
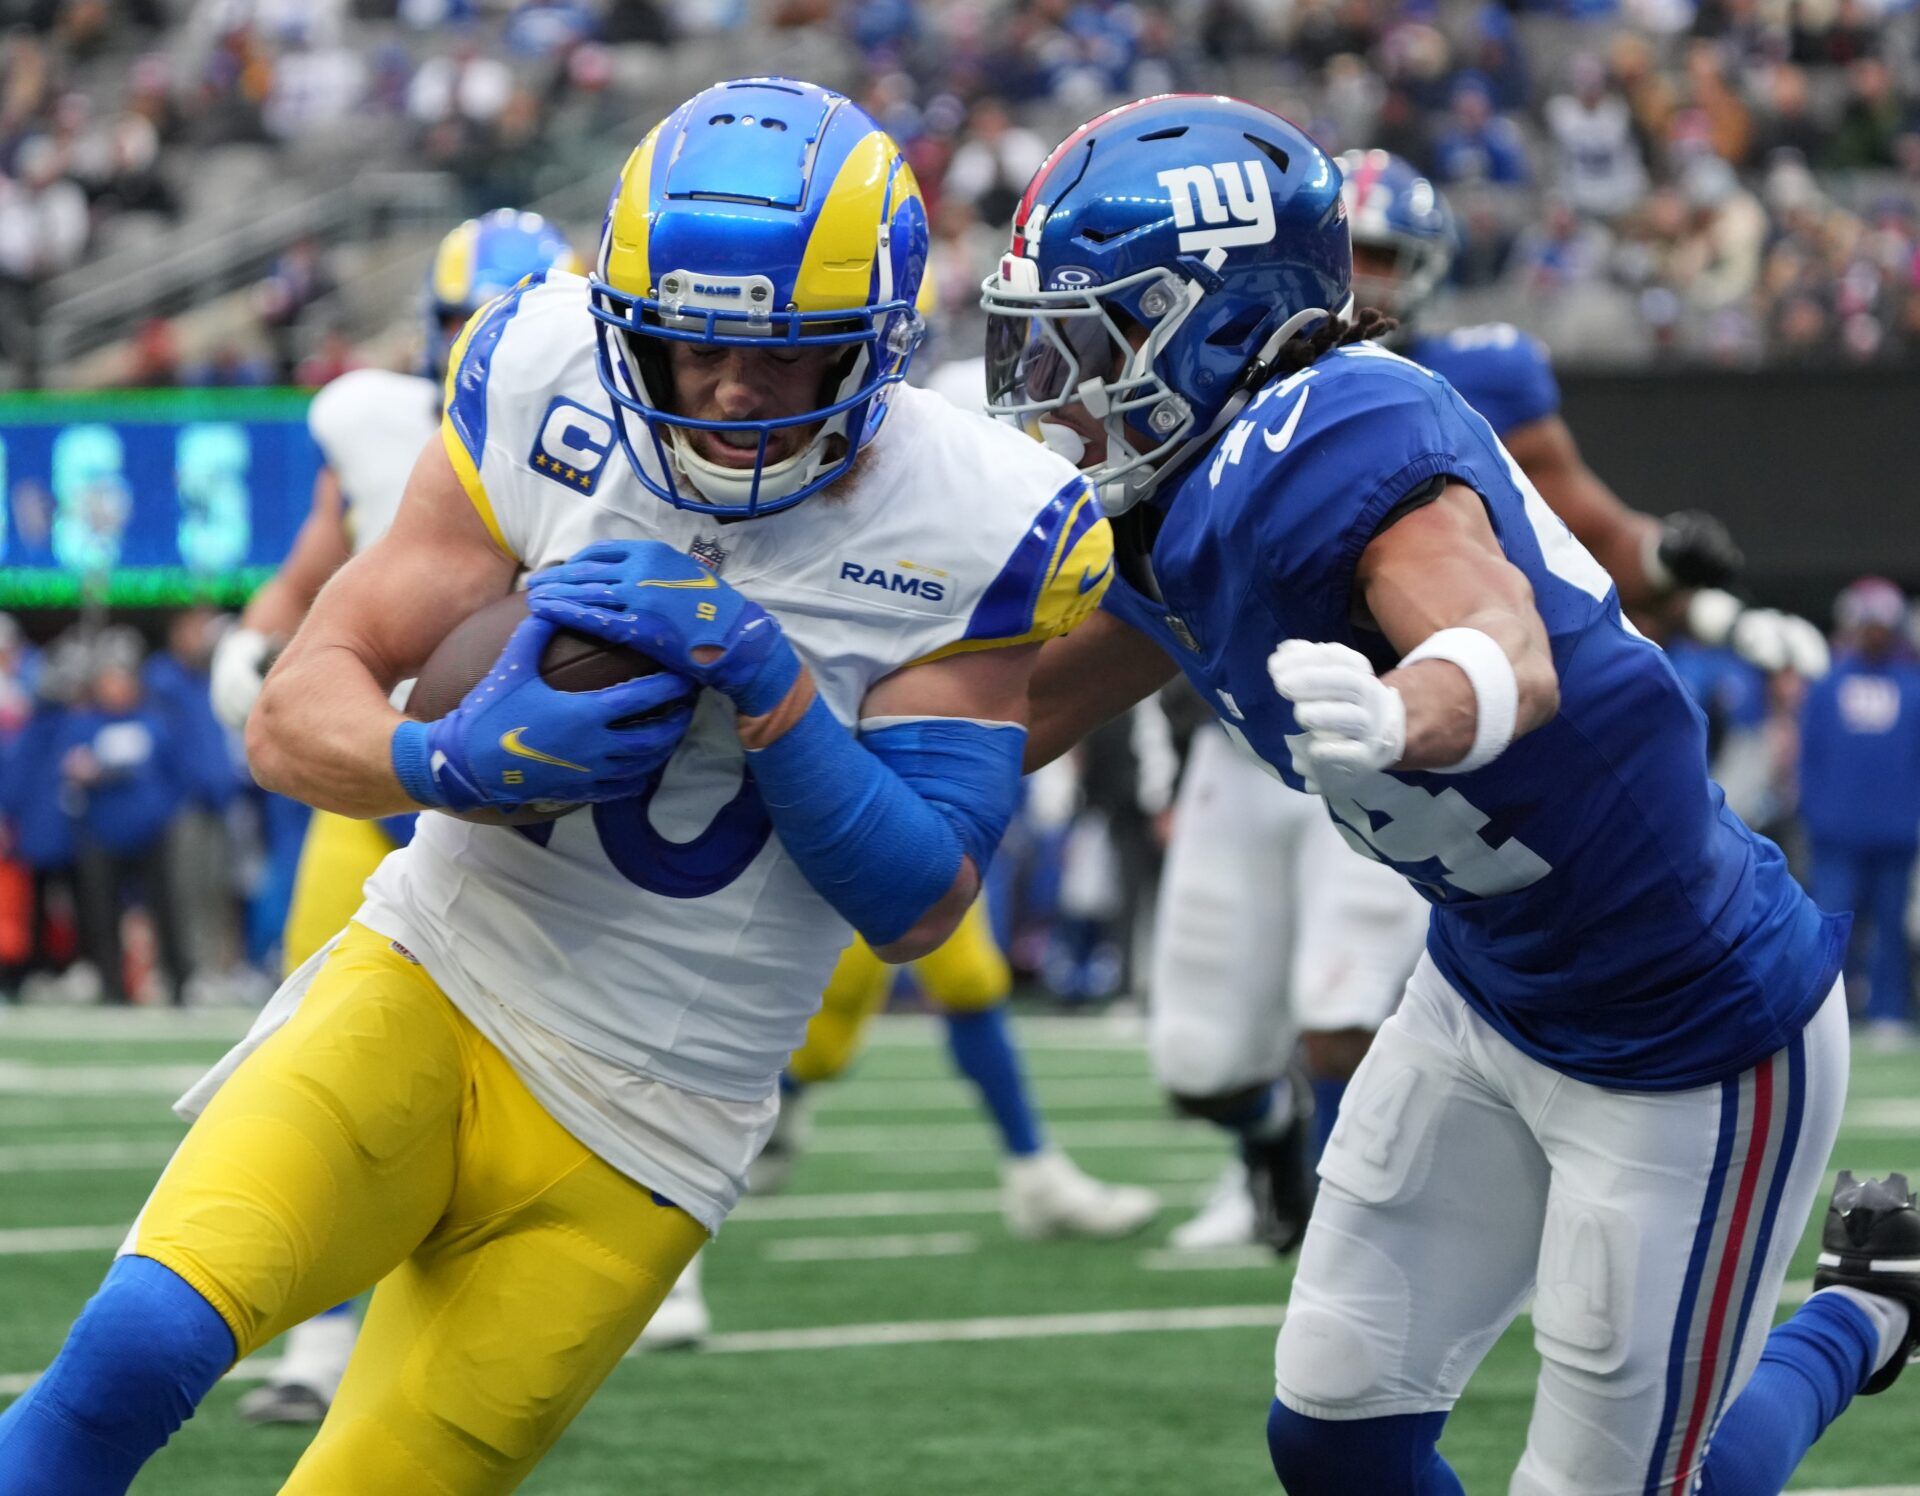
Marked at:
<point>789,1086</point>
<point>143,1353</point>
<point>1326,1110</point>
<point>1808,1373</point>
<point>982,1047</point>
<point>1397,1456</point>
<point>346,1308</point>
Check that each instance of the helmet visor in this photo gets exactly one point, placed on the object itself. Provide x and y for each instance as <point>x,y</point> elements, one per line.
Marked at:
<point>1038,360</point>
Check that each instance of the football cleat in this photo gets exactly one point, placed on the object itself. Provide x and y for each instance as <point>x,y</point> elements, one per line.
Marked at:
<point>772,1171</point>
<point>681,1322</point>
<point>1280,1175</point>
<point>1872,1243</point>
<point>311,1366</point>
<point>1047,1196</point>
<point>1225,1220</point>
<point>282,1402</point>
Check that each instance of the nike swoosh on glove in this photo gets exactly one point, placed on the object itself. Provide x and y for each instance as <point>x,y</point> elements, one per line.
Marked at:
<point>1354,723</point>
<point>514,740</point>
<point>645,595</point>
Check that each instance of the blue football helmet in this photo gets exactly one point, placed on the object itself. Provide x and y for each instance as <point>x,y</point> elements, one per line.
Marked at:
<point>1391,207</point>
<point>1160,257</point>
<point>762,213</point>
<point>477,261</point>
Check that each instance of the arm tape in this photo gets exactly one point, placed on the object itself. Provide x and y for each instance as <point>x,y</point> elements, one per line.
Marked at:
<point>879,823</point>
<point>1496,693</point>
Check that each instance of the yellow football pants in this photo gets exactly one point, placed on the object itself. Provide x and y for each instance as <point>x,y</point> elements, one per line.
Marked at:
<point>378,1138</point>
<point>336,859</point>
<point>964,975</point>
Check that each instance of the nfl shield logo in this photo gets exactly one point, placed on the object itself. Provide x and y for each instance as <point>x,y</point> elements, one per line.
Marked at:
<point>707,552</point>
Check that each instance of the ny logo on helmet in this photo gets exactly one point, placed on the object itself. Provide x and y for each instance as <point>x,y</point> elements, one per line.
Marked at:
<point>1245,214</point>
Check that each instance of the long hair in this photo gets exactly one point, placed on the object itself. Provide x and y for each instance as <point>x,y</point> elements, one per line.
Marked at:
<point>1336,332</point>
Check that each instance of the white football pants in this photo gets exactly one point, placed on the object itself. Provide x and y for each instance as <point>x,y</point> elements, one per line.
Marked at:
<point>1653,1229</point>
<point>1268,923</point>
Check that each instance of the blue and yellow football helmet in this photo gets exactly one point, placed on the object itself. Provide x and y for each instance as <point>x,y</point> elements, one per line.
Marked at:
<point>477,261</point>
<point>763,211</point>
<point>1160,257</point>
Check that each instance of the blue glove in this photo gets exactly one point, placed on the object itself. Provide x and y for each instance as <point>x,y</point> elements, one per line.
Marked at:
<point>647,596</point>
<point>514,739</point>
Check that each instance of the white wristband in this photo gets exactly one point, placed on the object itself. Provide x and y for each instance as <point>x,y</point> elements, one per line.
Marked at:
<point>1496,693</point>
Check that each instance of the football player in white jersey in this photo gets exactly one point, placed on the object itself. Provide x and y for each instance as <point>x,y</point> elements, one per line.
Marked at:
<point>369,424</point>
<point>522,1088</point>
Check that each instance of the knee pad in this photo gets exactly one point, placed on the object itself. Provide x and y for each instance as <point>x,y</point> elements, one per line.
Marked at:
<point>1395,1456</point>
<point>1232,1110</point>
<point>142,1355</point>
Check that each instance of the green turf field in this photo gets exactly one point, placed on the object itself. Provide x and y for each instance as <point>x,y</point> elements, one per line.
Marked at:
<point>877,1333</point>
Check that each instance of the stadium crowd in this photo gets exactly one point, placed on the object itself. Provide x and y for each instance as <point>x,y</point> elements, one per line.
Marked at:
<point>1722,180</point>
<point>139,862</point>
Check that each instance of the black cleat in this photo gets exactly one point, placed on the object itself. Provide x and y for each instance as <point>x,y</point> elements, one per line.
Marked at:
<point>283,1402</point>
<point>1280,1175</point>
<point>1872,1242</point>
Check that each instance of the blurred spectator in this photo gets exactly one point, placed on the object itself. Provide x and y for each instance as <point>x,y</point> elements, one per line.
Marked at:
<point>120,765</point>
<point>1788,123</point>
<point>333,357</point>
<point>1860,787</point>
<point>1600,170</point>
<point>41,832</point>
<point>316,84</point>
<point>43,215</point>
<point>1870,122</point>
<point>991,169</point>
<point>199,851</point>
<point>1718,261</point>
<point>1477,145</point>
<point>1560,253</point>
<point>463,85</point>
<point>298,279</point>
<point>1724,122</point>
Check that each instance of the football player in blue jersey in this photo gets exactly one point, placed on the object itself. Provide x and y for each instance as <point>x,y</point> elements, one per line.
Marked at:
<point>1614,1077</point>
<point>1224,1029</point>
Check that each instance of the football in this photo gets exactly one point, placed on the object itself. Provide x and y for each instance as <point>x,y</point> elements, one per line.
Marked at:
<point>571,662</point>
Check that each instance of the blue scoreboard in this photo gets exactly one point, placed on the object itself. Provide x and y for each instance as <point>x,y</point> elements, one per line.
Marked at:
<point>149,498</point>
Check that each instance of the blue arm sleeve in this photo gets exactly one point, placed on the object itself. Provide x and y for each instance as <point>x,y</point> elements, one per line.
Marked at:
<point>879,823</point>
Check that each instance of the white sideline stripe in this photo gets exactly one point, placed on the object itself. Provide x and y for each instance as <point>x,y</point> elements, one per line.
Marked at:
<point>859,1248</point>
<point>18,1079</point>
<point>106,1153</point>
<point>1149,1132</point>
<point>899,1332</point>
<point>889,1095</point>
<point>1208,1259</point>
<point>35,1241</point>
<point>906,1203</point>
<point>1002,1327</point>
<point>1893,1114</point>
<point>1856,1491</point>
<point>138,1025</point>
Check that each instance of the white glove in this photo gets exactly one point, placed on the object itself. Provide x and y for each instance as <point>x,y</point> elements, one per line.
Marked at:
<point>1761,636</point>
<point>1780,641</point>
<point>1355,724</point>
<point>240,663</point>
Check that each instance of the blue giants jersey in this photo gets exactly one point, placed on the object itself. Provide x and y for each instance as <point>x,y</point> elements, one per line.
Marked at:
<point>1593,896</point>
<point>1499,370</point>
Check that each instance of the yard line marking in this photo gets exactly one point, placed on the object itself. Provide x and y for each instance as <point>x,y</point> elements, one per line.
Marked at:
<point>998,1327</point>
<point>1208,1259</point>
<point>18,1079</point>
<point>903,1203</point>
<point>103,1153</point>
<point>1074,1092</point>
<point>139,1025</point>
<point>1113,1031</point>
<point>35,1241</point>
<point>1149,1132</point>
<point>1894,1114</point>
<point>857,1248</point>
<point>906,1332</point>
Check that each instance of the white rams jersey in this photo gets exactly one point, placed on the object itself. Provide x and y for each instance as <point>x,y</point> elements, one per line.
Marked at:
<point>370,425</point>
<point>670,938</point>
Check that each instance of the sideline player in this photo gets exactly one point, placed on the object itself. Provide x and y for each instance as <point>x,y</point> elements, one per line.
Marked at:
<point>1616,1073</point>
<point>523,1087</point>
<point>369,424</point>
<point>1334,951</point>
<point>1043,1192</point>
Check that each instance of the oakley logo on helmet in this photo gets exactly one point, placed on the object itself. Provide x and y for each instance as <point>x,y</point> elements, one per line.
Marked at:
<point>1245,214</point>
